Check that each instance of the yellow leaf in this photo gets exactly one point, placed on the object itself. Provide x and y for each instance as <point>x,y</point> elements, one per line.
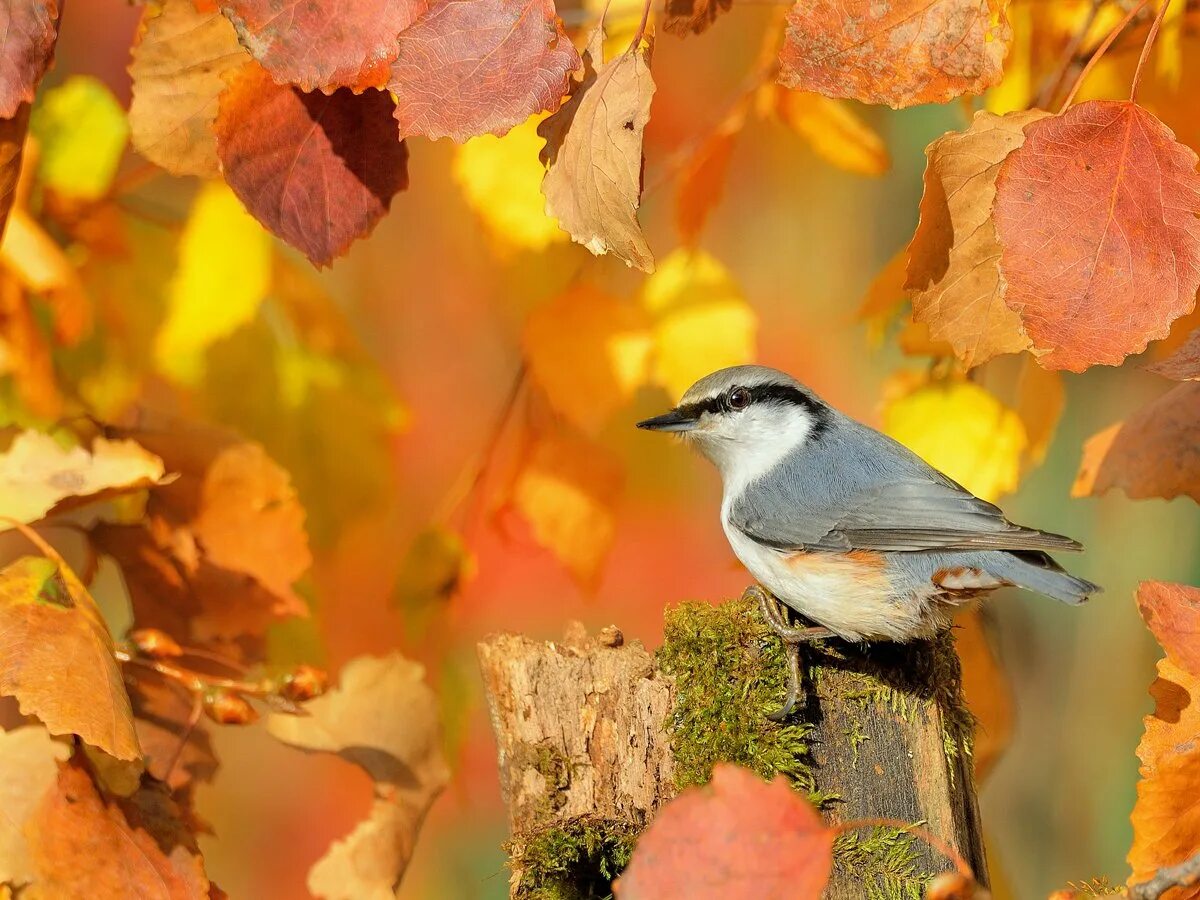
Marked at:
<point>589,352</point>
<point>1015,90</point>
<point>501,179</point>
<point>434,568</point>
<point>81,130</point>
<point>701,321</point>
<point>961,429</point>
<point>223,275</point>
<point>834,131</point>
<point>36,473</point>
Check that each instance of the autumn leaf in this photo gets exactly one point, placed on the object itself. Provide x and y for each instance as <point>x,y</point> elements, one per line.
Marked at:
<point>24,351</point>
<point>589,352</point>
<point>470,67</point>
<point>137,847</point>
<point>322,44</point>
<point>566,489</point>
<point>41,266</point>
<point>37,473</point>
<point>898,52</point>
<point>735,838</point>
<point>954,257</point>
<point>28,769</point>
<point>433,570</point>
<point>701,321</point>
<point>593,154</point>
<point>830,127</point>
<point>1183,364</point>
<point>12,142</point>
<point>81,131</point>
<point>383,718</point>
<point>177,751</point>
<point>43,623</point>
<point>318,170</point>
<point>29,29</point>
<point>684,17</point>
<point>1150,454</point>
<point>1172,612</point>
<point>178,66</point>
<point>702,182</point>
<point>1096,215</point>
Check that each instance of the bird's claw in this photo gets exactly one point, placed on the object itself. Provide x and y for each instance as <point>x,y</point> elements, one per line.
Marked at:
<point>792,652</point>
<point>792,638</point>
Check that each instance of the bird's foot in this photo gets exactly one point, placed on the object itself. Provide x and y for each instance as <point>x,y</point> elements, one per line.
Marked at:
<point>773,614</point>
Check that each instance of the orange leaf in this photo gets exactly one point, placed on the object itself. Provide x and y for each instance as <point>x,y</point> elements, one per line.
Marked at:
<point>470,67</point>
<point>899,52</point>
<point>27,771</point>
<point>319,171</point>
<point>1172,612</point>
<point>1096,214</point>
<point>736,838</point>
<point>28,31</point>
<point>323,44</point>
<point>1150,454</point>
<point>702,183</point>
<point>177,751</point>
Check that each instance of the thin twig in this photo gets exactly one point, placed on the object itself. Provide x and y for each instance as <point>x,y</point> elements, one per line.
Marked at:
<point>1154,26</point>
<point>1100,51</point>
<point>641,29</point>
<point>1184,874</point>
<point>185,735</point>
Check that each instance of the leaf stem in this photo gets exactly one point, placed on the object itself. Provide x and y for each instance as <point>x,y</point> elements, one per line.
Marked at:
<point>641,29</point>
<point>1054,83</point>
<point>1100,51</point>
<point>1154,26</point>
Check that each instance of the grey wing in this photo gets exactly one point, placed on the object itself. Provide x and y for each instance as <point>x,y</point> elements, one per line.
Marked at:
<point>891,501</point>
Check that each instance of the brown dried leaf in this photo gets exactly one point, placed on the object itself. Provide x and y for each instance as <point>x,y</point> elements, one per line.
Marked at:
<point>28,32</point>
<point>899,52</point>
<point>953,260</point>
<point>56,658</point>
<point>686,17</point>
<point>1153,453</point>
<point>28,770</point>
<point>383,718</point>
<point>1096,214</point>
<point>471,67</point>
<point>593,154</point>
<point>1183,364</point>
<point>177,66</point>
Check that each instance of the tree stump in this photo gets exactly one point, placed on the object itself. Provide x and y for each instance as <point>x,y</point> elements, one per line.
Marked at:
<point>594,735</point>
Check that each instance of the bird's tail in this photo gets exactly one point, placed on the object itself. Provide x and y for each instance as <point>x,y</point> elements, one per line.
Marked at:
<point>1036,571</point>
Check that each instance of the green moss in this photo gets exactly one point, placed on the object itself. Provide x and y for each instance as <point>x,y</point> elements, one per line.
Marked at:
<point>574,862</point>
<point>885,858</point>
<point>730,673</point>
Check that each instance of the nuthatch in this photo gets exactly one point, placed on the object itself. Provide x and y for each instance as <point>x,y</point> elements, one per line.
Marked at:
<point>844,525</point>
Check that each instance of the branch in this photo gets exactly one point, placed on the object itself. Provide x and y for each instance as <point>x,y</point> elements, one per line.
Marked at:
<point>1185,874</point>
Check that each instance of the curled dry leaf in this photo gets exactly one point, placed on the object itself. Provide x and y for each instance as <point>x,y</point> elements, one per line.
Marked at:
<point>954,257</point>
<point>318,170</point>
<point>1183,364</point>
<point>1172,612</point>
<point>383,718</point>
<point>736,838</point>
<point>898,52</point>
<point>28,32</point>
<point>44,622</point>
<point>684,17</point>
<point>1097,217</point>
<point>12,142</point>
<point>1153,453</point>
<point>323,44</point>
<point>178,64</point>
<point>593,154</point>
<point>471,67</point>
<point>37,473</point>
<point>28,769</point>
<point>84,845</point>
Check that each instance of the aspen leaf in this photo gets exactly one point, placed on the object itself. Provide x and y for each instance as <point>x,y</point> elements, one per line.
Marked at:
<point>832,129</point>
<point>701,322</point>
<point>1183,364</point>
<point>501,180</point>
<point>81,131</point>
<point>12,143</point>
<point>318,170</point>
<point>589,352</point>
<point>702,183</point>
<point>28,31</point>
<point>961,429</point>
<point>735,838</point>
<point>566,490</point>
<point>1150,454</point>
<point>42,623</point>
<point>1172,613</point>
<point>178,64</point>
<point>37,473</point>
<point>470,67</point>
<point>898,52</point>
<point>1097,217</point>
<point>953,260</point>
<point>383,718</point>
<point>323,44</point>
<point>224,272</point>
<point>39,265</point>
<point>685,17</point>
<point>593,154</point>
<point>28,769</point>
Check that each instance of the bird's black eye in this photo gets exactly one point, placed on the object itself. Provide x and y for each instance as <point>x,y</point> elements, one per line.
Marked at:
<point>739,398</point>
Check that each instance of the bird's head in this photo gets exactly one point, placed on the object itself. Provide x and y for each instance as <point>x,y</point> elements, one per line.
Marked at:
<point>745,418</point>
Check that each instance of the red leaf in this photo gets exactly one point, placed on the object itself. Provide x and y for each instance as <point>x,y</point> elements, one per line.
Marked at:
<point>317,170</point>
<point>735,838</point>
<point>899,52</point>
<point>1172,612</point>
<point>1096,215</point>
<point>28,30</point>
<point>470,67</point>
<point>323,44</point>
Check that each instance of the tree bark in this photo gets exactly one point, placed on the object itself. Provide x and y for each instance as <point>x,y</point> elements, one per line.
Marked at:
<point>594,735</point>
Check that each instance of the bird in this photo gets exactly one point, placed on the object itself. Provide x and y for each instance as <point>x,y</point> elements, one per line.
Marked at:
<point>846,526</point>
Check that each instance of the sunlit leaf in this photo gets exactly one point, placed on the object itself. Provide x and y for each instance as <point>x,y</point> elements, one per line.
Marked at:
<point>81,131</point>
<point>833,130</point>
<point>28,769</point>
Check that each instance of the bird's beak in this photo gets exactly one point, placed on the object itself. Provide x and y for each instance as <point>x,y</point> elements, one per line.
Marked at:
<point>675,420</point>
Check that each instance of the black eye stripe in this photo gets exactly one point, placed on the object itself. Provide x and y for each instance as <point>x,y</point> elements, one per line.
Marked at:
<point>760,393</point>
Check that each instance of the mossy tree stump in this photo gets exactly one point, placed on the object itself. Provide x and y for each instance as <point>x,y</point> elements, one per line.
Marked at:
<point>595,734</point>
